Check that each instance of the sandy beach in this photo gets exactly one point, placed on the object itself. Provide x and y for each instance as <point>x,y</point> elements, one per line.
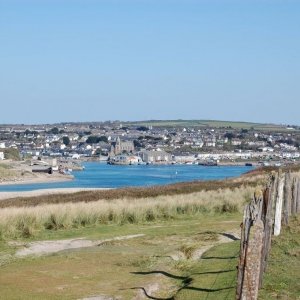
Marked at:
<point>19,172</point>
<point>37,178</point>
<point>8,195</point>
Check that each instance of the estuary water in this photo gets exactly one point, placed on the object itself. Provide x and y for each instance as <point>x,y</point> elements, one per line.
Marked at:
<point>101,175</point>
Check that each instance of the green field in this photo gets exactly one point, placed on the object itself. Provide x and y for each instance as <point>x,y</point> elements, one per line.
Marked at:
<point>209,123</point>
<point>131,268</point>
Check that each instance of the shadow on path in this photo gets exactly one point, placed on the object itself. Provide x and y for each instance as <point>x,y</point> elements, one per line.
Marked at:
<point>185,282</point>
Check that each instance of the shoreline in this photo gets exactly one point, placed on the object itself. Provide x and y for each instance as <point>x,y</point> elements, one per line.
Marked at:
<point>43,192</point>
<point>39,179</point>
<point>45,178</point>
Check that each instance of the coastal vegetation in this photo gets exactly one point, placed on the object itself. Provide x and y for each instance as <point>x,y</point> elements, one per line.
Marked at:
<point>25,222</point>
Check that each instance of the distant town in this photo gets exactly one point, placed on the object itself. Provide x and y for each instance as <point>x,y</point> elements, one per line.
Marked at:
<point>206,143</point>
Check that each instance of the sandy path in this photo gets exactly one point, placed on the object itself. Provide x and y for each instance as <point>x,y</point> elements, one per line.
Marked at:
<point>48,247</point>
<point>8,195</point>
<point>225,237</point>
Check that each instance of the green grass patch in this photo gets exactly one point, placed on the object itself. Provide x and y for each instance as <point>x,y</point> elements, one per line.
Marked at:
<point>281,281</point>
<point>212,277</point>
<point>127,268</point>
<point>209,123</point>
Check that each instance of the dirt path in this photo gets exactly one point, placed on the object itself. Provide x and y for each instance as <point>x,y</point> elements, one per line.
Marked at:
<point>225,237</point>
<point>48,247</point>
<point>150,290</point>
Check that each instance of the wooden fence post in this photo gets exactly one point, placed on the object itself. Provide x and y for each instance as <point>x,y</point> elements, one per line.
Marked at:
<point>287,199</point>
<point>298,198</point>
<point>253,259</point>
<point>278,205</point>
<point>251,248</point>
<point>245,229</point>
<point>294,196</point>
<point>269,197</point>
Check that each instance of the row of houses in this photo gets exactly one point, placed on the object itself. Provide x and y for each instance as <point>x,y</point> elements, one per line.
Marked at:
<point>74,140</point>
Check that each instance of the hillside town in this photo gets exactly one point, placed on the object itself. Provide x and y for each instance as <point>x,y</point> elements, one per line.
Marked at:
<point>126,143</point>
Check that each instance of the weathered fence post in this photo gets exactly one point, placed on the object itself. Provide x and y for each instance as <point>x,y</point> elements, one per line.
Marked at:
<point>287,199</point>
<point>251,249</point>
<point>295,196</point>
<point>298,198</point>
<point>278,205</point>
<point>267,217</point>
<point>245,228</point>
<point>253,259</point>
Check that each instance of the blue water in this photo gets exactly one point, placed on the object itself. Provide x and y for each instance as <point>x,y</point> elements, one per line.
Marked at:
<point>101,175</point>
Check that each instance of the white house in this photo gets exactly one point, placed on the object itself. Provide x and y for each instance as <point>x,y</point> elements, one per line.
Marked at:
<point>156,156</point>
<point>236,142</point>
<point>1,155</point>
<point>184,158</point>
<point>124,159</point>
<point>2,145</point>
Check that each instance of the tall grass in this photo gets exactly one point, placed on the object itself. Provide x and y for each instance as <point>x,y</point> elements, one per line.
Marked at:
<point>25,222</point>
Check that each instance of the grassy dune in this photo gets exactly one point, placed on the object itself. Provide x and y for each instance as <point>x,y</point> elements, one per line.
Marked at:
<point>28,221</point>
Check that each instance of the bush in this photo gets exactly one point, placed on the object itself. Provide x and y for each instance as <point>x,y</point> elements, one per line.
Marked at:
<point>11,153</point>
<point>226,207</point>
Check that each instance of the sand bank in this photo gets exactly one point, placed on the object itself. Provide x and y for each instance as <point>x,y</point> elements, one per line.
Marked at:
<point>8,195</point>
<point>37,178</point>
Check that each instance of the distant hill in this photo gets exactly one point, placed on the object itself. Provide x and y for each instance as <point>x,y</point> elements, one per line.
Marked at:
<point>172,123</point>
<point>208,123</point>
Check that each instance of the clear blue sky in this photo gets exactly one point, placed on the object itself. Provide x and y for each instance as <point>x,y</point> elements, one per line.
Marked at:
<point>88,60</point>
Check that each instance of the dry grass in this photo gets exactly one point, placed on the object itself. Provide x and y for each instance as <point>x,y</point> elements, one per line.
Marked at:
<point>26,221</point>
